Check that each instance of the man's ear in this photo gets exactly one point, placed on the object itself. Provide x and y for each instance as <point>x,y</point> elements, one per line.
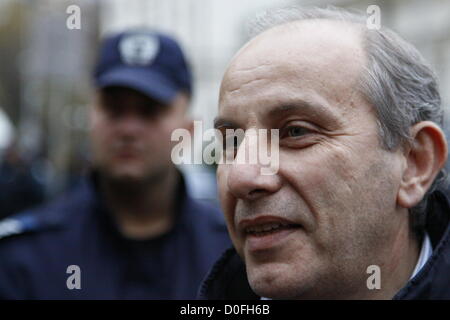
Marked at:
<point>425,157</point>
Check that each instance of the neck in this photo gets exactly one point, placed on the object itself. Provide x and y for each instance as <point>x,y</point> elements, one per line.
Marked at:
<point>397,263</point>
<point>142,209</point>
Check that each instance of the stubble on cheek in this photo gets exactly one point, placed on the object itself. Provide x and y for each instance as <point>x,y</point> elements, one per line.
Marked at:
<point>349,202</point>
<point>352,201</point>
<point>364,206</point>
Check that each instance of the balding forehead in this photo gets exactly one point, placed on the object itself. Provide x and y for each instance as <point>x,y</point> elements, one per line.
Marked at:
<point>312,48</point>
<point>304,36</point>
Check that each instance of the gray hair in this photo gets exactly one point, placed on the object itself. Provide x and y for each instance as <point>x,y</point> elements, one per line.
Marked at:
<point>397,81</point>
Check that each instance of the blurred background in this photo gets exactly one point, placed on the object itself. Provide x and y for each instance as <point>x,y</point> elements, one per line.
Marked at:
<point>45,74</point>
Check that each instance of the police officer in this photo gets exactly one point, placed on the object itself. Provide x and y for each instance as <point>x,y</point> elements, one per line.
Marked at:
<point>130,230</point>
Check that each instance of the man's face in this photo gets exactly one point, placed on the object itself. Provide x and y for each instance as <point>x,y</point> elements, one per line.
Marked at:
<point>131,134</point>
<point>312,229</point>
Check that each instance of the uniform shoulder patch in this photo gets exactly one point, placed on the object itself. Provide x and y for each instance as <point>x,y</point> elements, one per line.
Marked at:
<point>18,224</point>
<point>9,227</point>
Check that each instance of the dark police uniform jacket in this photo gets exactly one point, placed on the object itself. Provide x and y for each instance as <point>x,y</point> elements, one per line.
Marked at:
<point>228,280</point>
<point>42,251</point>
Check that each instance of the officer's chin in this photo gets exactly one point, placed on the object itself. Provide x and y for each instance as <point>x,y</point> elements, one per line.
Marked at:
<point>125,174</point>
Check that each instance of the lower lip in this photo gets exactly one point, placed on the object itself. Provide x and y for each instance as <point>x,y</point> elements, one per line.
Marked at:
<point>268,241</point>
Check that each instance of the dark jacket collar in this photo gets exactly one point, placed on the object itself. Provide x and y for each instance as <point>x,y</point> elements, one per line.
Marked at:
<point>433,280</point>
<point>228,280</point>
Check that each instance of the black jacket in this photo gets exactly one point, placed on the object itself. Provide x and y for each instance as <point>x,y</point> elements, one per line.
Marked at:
<point>227,279</point>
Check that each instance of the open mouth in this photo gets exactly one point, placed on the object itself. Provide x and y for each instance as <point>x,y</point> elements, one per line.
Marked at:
<point>266,233</point>
<point>262,230</point>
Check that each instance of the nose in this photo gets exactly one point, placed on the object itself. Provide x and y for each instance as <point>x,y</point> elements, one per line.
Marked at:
<point>246,181</point>
<point>130,124</point>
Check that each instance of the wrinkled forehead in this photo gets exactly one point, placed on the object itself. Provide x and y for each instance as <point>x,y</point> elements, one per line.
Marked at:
<point>316,57</point>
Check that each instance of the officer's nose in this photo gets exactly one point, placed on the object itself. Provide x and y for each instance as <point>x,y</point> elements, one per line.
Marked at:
<point>130,124</point>
<point>246,179</point>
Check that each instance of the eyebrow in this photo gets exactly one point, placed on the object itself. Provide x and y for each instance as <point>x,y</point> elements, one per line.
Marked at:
<point>282,109</point>
<point>298,106</point>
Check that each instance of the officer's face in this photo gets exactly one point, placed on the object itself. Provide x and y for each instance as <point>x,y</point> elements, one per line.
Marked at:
<point>333,200</point>
<point>131,133</point>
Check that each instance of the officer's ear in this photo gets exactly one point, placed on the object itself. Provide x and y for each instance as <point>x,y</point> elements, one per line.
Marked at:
<point>180,108</point>
<point>190,126</point>
<point>92,107</point>
<point>425,156</point>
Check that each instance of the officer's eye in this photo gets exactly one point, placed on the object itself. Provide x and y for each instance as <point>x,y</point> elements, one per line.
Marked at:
<point>151,110</point>
<point>113,110</point>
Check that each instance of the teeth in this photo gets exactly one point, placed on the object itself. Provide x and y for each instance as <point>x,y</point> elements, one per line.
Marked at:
<point>265,227</point>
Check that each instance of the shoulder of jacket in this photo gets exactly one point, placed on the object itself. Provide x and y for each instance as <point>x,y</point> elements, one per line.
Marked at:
<point>49,216</point>
<point>19,224</point>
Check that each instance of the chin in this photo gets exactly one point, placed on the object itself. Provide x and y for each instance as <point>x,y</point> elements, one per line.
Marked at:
<point>128,178</point>
<point>275,282</point>
<point>280,290</point>
<point>137,174</point>
<point>126,174</point>
<point>276,290</point>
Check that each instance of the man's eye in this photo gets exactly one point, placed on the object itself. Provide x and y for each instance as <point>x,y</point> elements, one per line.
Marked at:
<point>297,131</point>
<point>230,143</point>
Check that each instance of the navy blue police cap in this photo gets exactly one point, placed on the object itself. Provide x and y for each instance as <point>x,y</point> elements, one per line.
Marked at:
<point>146,61</point>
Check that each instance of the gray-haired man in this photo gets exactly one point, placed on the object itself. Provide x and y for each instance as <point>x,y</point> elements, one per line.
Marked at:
<point>361,153</point>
